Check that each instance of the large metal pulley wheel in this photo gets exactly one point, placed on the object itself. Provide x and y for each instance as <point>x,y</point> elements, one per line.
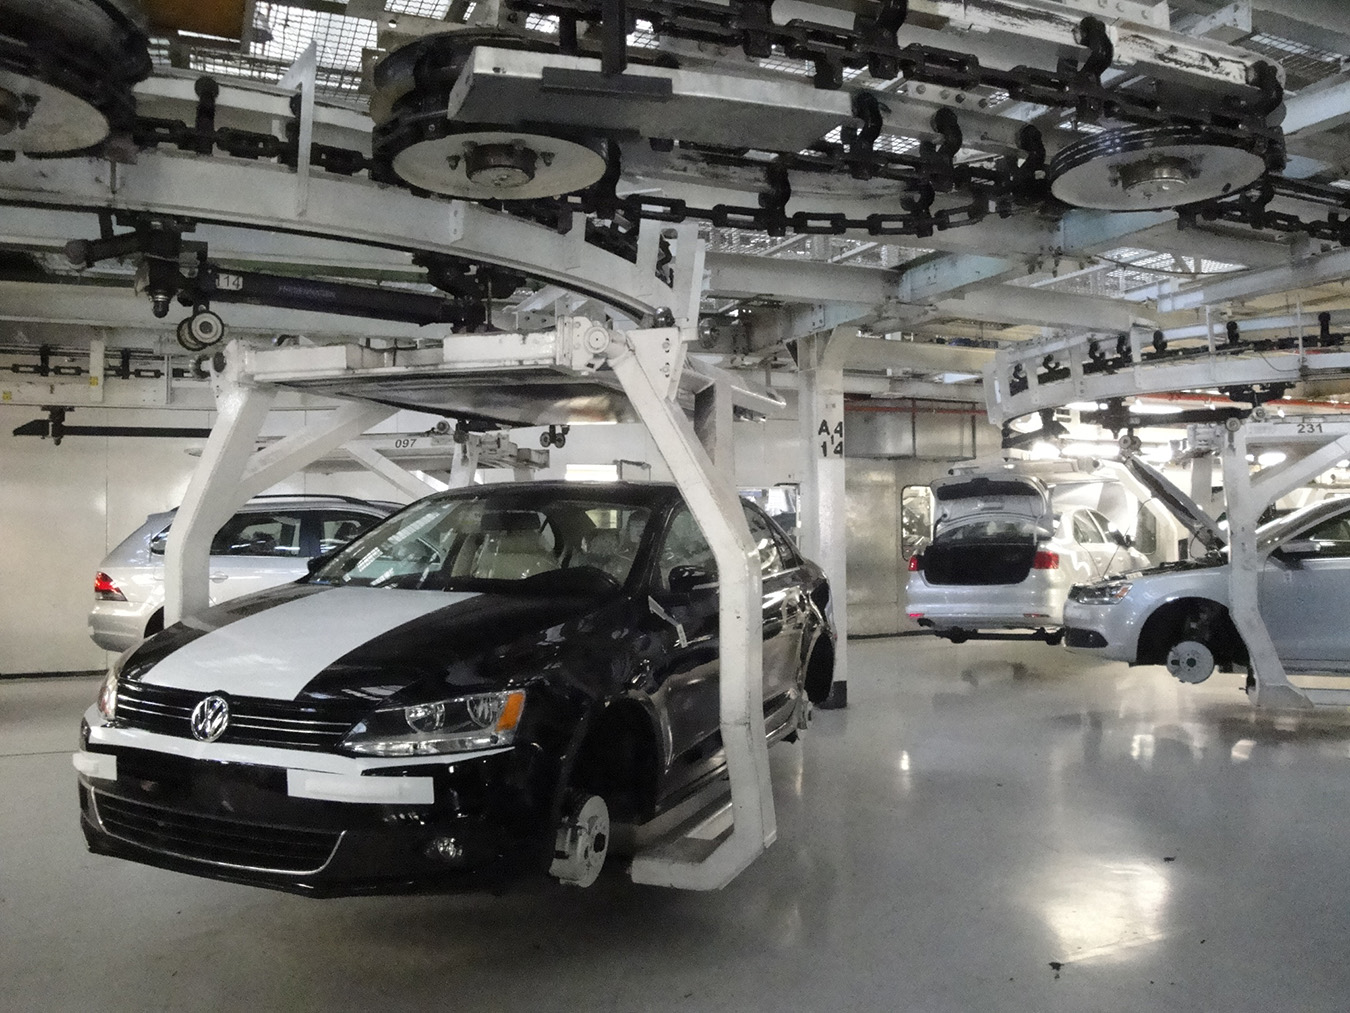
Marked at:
<point>582,843</point>
<point>67,68</point>
<point>1190,661</point>
<point>427,149</point>
<point>1144,168</point>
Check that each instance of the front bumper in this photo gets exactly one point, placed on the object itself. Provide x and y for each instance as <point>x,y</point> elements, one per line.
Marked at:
<point>439,828</point>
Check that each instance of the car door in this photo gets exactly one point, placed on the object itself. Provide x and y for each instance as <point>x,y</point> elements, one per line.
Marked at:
<point>1305,595</point>
<point>687,620</point>
<point>683,652</point>
<point>255,550</point>
<point>783,610</point>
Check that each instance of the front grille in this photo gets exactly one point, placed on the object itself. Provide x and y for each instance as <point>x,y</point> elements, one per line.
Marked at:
<point>220,842</point>
<point>253,721</point>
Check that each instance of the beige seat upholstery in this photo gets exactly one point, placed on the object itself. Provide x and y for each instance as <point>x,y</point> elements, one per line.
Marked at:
<point>511,555</point>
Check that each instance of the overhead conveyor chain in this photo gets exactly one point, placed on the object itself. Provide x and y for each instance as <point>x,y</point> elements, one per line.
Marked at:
<point>1042,375</point>
<point>993,187</point>
<point>1215,97</point>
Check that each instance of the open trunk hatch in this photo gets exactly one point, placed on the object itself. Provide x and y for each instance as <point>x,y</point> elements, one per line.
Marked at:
<point>982,552</point>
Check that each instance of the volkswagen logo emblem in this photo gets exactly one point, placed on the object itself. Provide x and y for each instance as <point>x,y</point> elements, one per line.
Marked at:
<point>210,718</point>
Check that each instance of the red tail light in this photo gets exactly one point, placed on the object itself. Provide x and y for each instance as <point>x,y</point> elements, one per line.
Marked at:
<point>915,564</point>
<point>106,590</point>
<point>1044,560</point>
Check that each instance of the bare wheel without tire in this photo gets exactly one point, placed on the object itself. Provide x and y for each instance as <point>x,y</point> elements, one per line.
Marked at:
<point>582,843</point>
<point>1191,661</point>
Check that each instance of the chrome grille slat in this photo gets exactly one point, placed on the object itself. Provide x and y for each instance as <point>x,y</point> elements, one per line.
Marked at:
<point>168,711</point>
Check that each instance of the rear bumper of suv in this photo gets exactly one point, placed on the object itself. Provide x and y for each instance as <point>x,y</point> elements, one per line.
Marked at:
<point>117,625</point>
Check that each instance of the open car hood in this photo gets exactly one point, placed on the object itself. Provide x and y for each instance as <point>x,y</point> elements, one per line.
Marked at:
<point>1192,516</point>
<point>966,497</point>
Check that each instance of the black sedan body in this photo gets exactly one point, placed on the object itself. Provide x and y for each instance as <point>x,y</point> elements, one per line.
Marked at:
<point>423,712</point>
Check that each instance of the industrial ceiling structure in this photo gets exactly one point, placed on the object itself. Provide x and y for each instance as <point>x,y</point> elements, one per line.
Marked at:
<point>950,177</point>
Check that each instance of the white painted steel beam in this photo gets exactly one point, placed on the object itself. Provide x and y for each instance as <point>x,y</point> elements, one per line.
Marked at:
<point>1317,110</point>
<point>927,280</point>
<point>1013,304</point>
<point>400,478</point>
<point>919,356</point>
<point>738,276</point>
<point>288,455</point>
<point>1320,270</point>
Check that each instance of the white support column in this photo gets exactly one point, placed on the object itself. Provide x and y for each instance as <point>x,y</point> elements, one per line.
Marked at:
<point>820,409</point>
<point>1247,498</point>
<point>400,478</point>
<point>213,494</point>
<point>647,364</point>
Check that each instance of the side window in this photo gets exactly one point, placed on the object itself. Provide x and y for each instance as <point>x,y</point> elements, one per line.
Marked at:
<point>1333,534</point>
<point>338,527</point>
<point>1146,532</point>
<point>1085,530</point>
<point>770,558</point>
<point>255,534</point>
<point>684,545</point>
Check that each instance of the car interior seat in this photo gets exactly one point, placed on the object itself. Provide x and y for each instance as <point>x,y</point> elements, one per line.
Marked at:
<point>515,547</point>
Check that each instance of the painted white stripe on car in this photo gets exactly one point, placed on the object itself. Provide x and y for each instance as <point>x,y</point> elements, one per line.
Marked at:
<point>276,652</point>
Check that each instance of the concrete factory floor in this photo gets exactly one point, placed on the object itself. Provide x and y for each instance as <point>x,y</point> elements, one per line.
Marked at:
<point>986,827</point>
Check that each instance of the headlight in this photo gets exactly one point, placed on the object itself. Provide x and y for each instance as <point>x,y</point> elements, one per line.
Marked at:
<point>460,724</point>
<point>107,696</point>
<point>1100,594</point>
<point>107,693</point>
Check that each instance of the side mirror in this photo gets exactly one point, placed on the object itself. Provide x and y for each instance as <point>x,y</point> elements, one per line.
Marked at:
<point>1120,538</point>
<point>688,579</point>
<point>158,543</point>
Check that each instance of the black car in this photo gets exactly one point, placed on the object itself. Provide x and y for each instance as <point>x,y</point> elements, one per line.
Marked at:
<point>466,693</point>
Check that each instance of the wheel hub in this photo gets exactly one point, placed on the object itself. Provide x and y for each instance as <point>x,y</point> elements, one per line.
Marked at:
<point>1190,661</point>
<point>582,843</point>
<point>501,166</point>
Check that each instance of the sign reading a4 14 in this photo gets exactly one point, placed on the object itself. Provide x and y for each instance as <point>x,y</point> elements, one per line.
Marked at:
<point>832,442</point>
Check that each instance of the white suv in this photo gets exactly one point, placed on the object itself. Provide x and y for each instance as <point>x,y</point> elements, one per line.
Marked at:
<point>268,542</point>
